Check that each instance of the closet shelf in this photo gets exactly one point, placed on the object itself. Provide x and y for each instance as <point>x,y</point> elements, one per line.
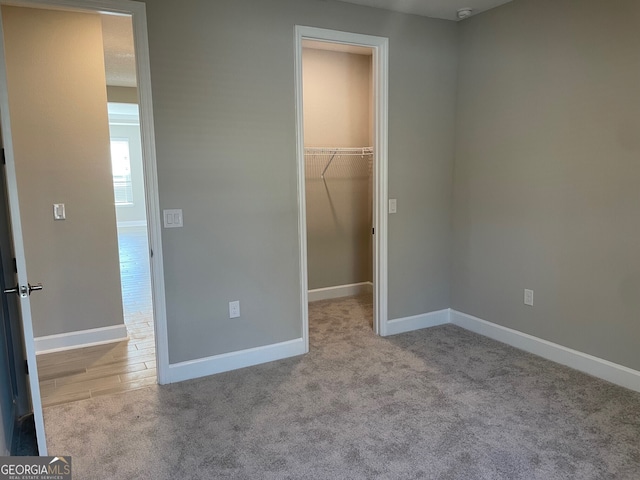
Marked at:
<point>332,152</point>
<point>338,151</point>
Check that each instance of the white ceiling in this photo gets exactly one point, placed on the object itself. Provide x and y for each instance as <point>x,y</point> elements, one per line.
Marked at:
<point>446,9</point>
<point>119,53</point>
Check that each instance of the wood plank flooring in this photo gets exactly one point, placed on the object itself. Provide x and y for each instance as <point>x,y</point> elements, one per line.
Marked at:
<point>116,367</point>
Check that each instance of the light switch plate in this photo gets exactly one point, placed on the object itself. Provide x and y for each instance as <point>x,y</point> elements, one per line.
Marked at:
<point>393,205</point>
<point>172,218</point>
<point>59,212</point>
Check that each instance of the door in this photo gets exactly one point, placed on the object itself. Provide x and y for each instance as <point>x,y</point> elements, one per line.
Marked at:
<point>20,288</point>
<point>12,342</point>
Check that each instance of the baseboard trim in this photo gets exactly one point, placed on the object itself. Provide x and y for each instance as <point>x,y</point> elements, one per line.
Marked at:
<point>597,367</point>
<point>416,322</point>
<point>80,339</point>
<point>338,291</point>
<point>225,362</point>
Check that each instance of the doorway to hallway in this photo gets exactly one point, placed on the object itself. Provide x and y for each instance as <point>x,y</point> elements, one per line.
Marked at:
<point>51,319</point>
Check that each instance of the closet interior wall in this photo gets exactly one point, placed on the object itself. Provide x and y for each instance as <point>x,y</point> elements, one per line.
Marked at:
<point>338,113</point>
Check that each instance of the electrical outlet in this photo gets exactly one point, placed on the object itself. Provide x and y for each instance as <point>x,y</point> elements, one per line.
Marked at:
<point>528,297</point>
<point>234,309</point>
<point>59,211</point>
<point>393,205</point>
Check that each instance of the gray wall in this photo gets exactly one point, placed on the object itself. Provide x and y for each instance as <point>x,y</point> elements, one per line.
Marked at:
<point>337,99</point>
<point>547,174</point>
<point>223,89</point>
<point>58,101</point>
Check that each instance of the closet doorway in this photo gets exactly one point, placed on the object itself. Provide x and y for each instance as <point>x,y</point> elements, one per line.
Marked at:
<point>342,165</point>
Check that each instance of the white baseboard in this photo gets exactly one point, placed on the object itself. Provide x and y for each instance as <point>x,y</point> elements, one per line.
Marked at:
<point>328,293</point>
<point>416,322</point>
<point>203,367</point>
<point>80,339</point>
<point>132,223</point>
<point>597,367</point>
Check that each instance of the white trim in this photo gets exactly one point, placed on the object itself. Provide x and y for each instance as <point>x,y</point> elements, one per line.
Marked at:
<point>380,58</point>
<point>301,184</point>
<point>597,367</point>
<point>381,184</point>
<point>417,322</point>
<point>338,291</point>
<point>79,339</point>
<point>132,223</point>
<point>154,220</point>
<point>225,362</point>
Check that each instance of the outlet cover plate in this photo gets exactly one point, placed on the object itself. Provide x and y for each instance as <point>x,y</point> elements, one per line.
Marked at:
<point>234,309</point>
<point>528,297</point>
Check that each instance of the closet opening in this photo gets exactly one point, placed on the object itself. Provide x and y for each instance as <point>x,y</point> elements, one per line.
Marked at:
<point>338,113</point>
<point>341,81</point>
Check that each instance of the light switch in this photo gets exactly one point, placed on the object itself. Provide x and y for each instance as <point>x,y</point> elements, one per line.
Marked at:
<point>172,218</point>
<point>59,211</point>
<point>393,205</point>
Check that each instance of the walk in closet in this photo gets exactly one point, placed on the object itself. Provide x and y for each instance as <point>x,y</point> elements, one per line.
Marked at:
<point>338,139</point>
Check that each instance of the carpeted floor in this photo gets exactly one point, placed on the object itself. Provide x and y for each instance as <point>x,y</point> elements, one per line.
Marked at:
<point>441,403</point>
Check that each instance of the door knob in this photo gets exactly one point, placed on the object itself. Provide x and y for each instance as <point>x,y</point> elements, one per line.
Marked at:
<point>23,290</point>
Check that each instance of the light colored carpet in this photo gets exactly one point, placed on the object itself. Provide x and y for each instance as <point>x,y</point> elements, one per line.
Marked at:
<point>440,403</point>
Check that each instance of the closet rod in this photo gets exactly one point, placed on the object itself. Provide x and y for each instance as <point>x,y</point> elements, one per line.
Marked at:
<point>337,152</point>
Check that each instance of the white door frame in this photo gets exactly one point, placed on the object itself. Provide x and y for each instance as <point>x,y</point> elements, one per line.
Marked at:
<point>380,49</point>
<point>139,20</point>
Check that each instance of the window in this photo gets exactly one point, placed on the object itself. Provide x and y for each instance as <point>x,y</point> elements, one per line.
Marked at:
<point>121,168</point>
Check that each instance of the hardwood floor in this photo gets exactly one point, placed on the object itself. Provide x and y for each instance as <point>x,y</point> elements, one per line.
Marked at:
<point>116,367</point>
